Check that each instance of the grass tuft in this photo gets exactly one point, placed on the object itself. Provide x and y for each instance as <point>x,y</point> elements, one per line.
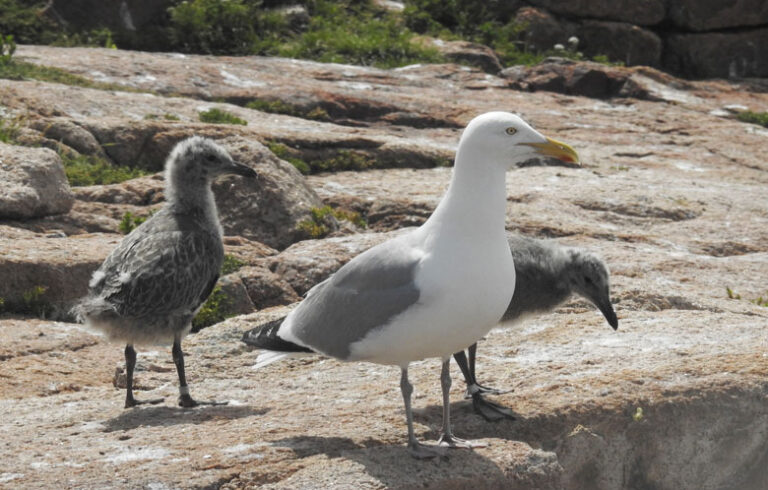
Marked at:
<point>231,264</point>
<point>759,301</point>
<point>85,170</point>
<point>9,130</point>
<point>283,152</point>
<point>218,116</point>
<point>320,223</point>
<point>276,106</point>
<point>213,311</point>
<point>131,221</point>
<point>760,118</point>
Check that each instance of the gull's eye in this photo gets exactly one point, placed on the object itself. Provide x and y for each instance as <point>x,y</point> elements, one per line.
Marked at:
<point>510,131</point>
<point>210,157</point>
<point>588,279</point>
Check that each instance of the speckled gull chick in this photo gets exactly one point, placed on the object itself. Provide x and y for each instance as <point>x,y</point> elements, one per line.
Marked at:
<point>546,275</point>
<point>150,287</point>
<point>430,292</point>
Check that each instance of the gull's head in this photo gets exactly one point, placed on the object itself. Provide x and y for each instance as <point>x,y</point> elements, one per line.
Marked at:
<point>507,139</point>
<point>588,277</point>
<point>198,160</point>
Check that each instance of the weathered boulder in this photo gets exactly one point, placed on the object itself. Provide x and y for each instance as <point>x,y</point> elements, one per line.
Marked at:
<point>49,272</point>
<point>707,15</point>
<point>568,77</point>
<point>721,54</point>
<point>309,262</point>
<point>265,288</point>
<point>468,53</point>
<point>270,208</point>
<point>267,210</point>
<point>32,183</point>
<point>141,191</point>
<point>641,12</point>
<point>66,131</point>
<point>629,43</point>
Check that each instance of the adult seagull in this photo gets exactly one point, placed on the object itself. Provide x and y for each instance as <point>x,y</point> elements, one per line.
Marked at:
<point>430,292</point>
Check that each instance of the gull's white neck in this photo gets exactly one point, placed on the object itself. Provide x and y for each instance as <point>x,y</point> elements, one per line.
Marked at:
<point>476,201</point>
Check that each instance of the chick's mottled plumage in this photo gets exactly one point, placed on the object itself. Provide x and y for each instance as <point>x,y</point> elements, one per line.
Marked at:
<point>150,287</point>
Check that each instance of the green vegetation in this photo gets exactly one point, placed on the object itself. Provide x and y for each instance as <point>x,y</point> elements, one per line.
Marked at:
<point>279,107</point>
<point>320,222</point>
<point>342,160</point>
<point>216,306</point>
<point>166,116</point>
<point>7,48</point>
<point>9,130</point>
<point>348,31</point>
<point>20,70</point>
<point>218,116</point>
<point>638,416</point>
<point>231,264</point>
<point>760,301</point>
<point>32,302</point>
<point>213,311</point>
<point>344,31</point>
<point>84,170</point>
<point>284,153</point>
<point>131,221</point>
<point>487,22</point>
<point>760,118</point>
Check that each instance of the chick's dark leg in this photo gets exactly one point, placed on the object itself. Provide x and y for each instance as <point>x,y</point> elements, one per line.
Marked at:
<point>178,358</point>
<point>185,400</point>
<point>130,365</point>
<point>472,351</point>
<point>490,411</point>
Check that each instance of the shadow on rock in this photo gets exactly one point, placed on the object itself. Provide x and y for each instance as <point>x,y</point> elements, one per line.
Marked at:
<point>166,416</point>
<point>394,468</point>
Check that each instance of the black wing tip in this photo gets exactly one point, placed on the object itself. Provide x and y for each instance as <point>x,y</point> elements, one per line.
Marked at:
<point>265,337</point>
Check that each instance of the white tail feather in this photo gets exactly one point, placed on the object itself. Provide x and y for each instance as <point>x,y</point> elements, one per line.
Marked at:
<point>268,357</point>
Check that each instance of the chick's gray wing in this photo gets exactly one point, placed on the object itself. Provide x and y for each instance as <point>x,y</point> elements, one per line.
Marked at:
<point>160,273</point>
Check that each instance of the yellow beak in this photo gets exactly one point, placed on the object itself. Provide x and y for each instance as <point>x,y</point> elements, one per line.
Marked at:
<point>556,149</point>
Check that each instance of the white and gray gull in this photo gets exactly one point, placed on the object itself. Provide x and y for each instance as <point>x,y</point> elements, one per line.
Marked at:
<point>430,292</point>
<point>150,287</point>
<point>546,275</point>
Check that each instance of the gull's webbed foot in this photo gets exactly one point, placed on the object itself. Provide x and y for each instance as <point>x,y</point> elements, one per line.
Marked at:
<point>490,411</point>
<point>422,451</point>
<point>187,401</point>
<point>453,442</point>
<point>130,401</point>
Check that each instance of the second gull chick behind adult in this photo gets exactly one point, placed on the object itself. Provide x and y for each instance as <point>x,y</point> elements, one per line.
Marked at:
<point>546,275</point>
<point>430,292</point>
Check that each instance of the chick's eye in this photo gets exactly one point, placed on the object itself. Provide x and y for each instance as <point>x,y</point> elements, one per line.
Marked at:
<point>588,279</point>
<point>510,131</point>
<point>210,158</point>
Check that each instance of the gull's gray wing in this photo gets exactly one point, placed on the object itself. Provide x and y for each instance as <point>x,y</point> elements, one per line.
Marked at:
<point>160,270</point>
<point>359,298</point>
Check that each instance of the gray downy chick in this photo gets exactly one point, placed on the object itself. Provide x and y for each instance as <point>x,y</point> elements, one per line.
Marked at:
<point>150,287</point>
<point>547,275</point>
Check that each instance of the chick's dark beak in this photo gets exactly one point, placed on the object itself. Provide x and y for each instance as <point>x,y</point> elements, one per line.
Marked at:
<point>241,169</point>
<point>610,315</point>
